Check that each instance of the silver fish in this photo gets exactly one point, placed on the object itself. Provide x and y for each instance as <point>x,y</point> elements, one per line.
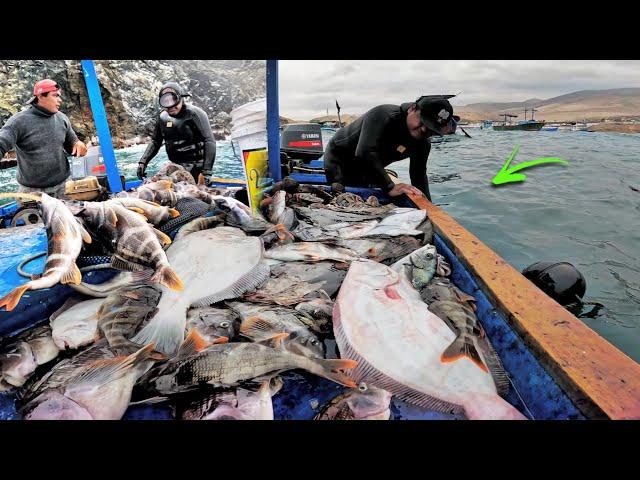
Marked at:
<point>227,365</point>
<point>260,322</point>
<point>99,389</point>
<point>310,252</point>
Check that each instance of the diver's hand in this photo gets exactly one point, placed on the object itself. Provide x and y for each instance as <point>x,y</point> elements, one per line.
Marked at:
<point>401,188</point>
<point>79,149</point>
<point>207,176</point>
<point>141,168</point>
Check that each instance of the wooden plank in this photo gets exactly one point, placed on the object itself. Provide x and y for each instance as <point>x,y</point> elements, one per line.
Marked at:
<point>602,381</point>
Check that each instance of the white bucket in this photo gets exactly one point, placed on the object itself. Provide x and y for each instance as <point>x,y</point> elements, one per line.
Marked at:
<point>250,125</point>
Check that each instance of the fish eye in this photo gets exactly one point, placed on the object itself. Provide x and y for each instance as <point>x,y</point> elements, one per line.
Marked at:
<point>429,256</point>
<point>224,324</point>
<point>363,387</point>
<point>314,342</point>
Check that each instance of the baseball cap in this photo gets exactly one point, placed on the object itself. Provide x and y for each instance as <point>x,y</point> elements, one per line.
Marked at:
<point>435,111</point>
<point>43,86</point>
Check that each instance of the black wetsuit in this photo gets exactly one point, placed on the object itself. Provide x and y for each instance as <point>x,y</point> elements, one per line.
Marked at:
<point>188,140</point>
<point>358,153</point>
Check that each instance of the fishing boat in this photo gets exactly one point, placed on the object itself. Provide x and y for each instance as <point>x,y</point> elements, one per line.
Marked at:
<point>530,125</point>
<point>558,368</point>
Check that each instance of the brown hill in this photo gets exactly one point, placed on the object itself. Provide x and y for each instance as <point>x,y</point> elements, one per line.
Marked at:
<point>585,105</point>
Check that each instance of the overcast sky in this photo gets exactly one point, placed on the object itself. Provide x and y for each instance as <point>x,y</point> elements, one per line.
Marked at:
<point>309,87</point>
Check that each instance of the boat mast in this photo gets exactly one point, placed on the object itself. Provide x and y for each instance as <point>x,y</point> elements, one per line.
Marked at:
<point>102,127</point>
<point>273,121</point>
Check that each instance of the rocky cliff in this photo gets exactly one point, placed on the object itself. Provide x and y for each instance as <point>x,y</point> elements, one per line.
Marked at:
<point>130,90</point>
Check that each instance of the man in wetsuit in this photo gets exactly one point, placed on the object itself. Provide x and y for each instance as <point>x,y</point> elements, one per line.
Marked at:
<point>186,132</point>
<point>358,153</point>
<point>42,137</point>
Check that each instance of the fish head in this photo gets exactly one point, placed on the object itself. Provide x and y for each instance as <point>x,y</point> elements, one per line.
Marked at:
<point>423,265</point>
<point>17,364</point>
<point>371,404</point>
<point>214,325</point>
<point>306,344</point>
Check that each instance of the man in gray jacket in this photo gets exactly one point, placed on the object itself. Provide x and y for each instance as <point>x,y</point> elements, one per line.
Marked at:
<point>42,137</point>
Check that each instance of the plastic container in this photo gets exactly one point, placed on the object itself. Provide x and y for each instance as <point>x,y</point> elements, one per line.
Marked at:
<point>92,164</point>
<point>249,125</point>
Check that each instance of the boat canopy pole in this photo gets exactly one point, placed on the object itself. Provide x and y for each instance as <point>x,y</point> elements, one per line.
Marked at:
<point>273,121</point>
<point>102,127</point>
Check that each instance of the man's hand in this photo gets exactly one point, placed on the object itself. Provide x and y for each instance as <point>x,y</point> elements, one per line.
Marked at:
<point>79,149</point>
<point>207,176</point>
<point>401,188</point>
<point>141,168</point>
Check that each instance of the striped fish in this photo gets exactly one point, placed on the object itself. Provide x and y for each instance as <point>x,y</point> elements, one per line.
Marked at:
<point>65,235</point>
<point>122,312</point>
<point>140,245</point>
<point>154,212</point>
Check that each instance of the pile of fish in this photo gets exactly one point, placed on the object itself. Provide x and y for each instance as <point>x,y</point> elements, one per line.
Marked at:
<point>206,323</point>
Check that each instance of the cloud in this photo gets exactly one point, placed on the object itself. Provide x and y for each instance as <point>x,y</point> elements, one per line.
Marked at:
<point>308,88</point>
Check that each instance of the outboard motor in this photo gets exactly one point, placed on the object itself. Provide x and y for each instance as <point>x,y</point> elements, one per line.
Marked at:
<point>302,141</point>
<point>560,280</point>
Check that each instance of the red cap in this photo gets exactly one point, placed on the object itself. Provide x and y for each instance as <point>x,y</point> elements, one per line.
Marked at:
<point>44,86</point>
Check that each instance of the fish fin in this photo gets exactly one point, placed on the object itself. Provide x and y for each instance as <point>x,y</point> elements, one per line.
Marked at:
<point>101,372</point>
<point>83,232</point>
<point>201,180</point>
<point>112,217</point>
<point>72,276</point>
<point>252,280</point>
<point>11,299</point>
<point>166,332</point>
<point>274,340</point>
<point>149,401</point>
<point>137,210</point>
<point>499,374</point>
<point>463,347</point>
<point>120,263</point>
<point>334,370</point>
<point>174,213</point>
<point>165,275</point>
<point>162,237</point>
<point>256,327</point>
<point>163,185</point>
<point>193,344</point>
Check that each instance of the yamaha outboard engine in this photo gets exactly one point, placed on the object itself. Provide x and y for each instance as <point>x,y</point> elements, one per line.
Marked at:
<point>302,141</point>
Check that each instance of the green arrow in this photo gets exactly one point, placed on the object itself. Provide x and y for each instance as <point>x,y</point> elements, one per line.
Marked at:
<point>508,175</point>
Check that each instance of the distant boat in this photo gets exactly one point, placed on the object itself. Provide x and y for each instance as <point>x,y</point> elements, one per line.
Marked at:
<point>550,128</point>
<point>579,127</point>
<point>527,125</point>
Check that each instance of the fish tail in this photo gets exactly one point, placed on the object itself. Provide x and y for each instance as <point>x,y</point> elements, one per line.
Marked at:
<point>332,369</point>
<point>174,213</point>
<point>461,347</point>
<point>482,406</point>
<point>11,299</point>
<point>166,332</point>
<point>166,276</point>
